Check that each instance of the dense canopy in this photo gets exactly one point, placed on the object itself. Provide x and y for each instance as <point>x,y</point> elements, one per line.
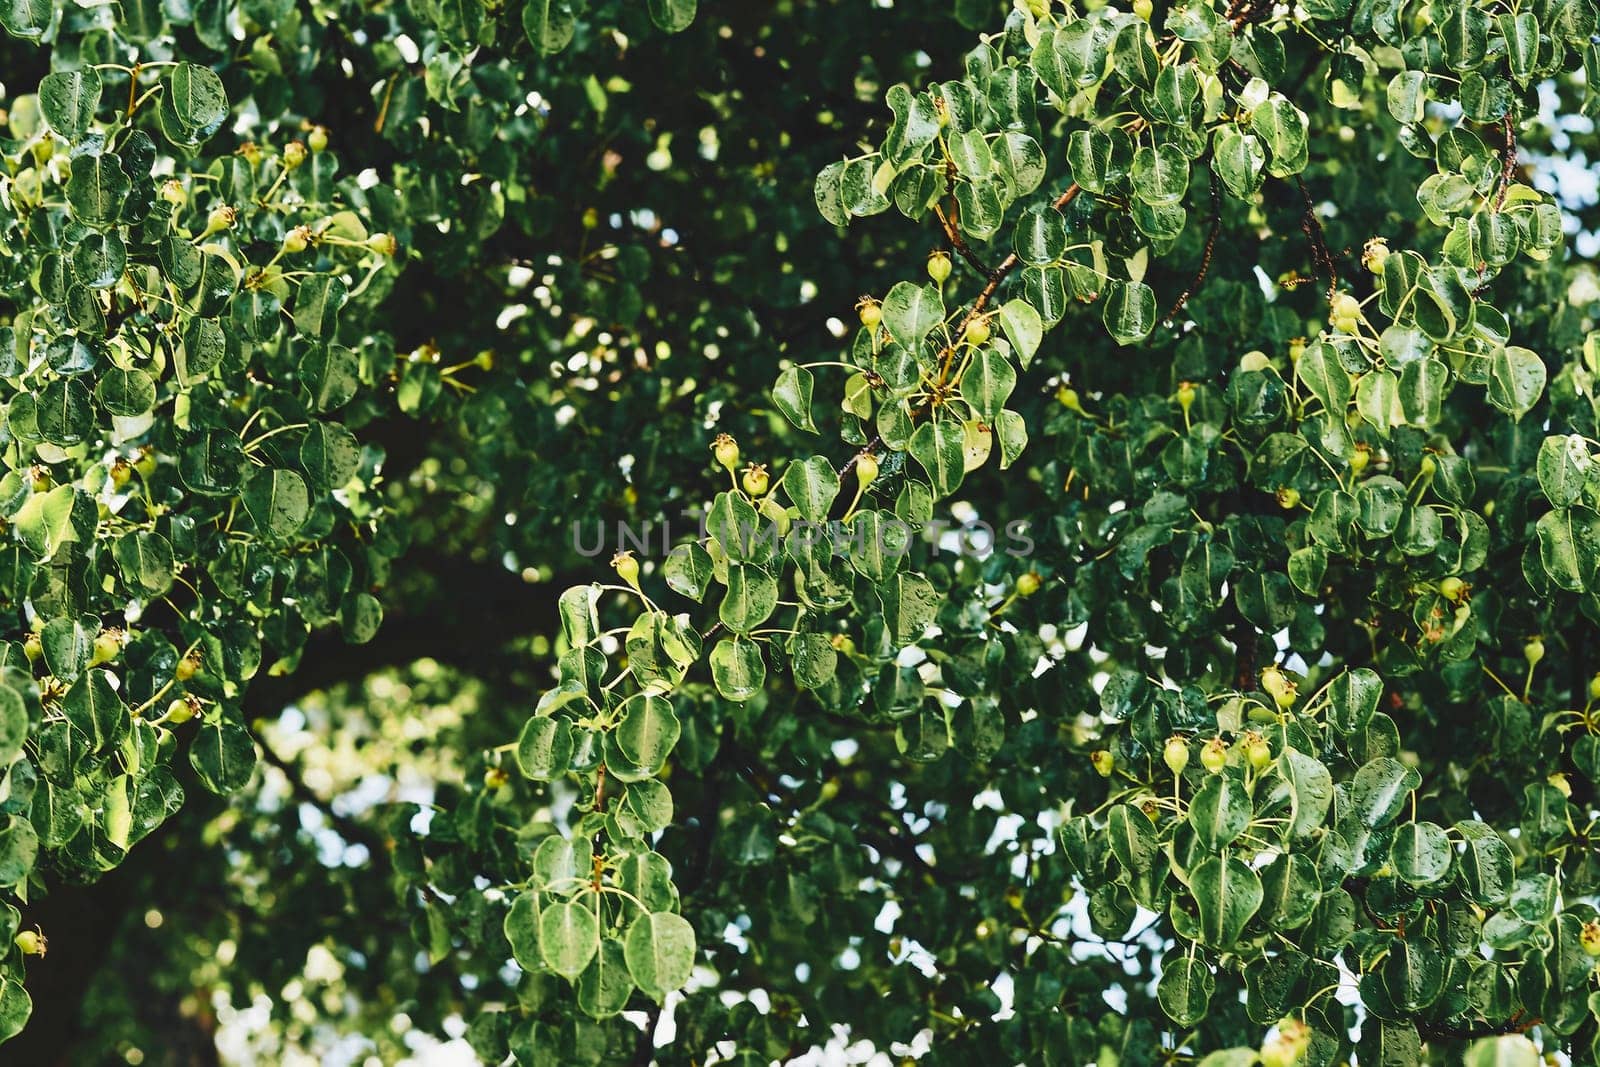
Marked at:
<point>597,532</point>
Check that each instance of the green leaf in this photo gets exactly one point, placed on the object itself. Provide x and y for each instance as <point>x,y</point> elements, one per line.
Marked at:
<point>330,455</point>
<point>1420,853</point>
<point>737,668</point>
<point>792,395</point>
<point>1024,328</point>
<point>1516,380</point>
<point>1380,788</point>
<point>1238,159</point>
<point>1568,546</point>
<point>45,522</point>
<point>648,731</point>
<point>1041,236</point>
<point>1130,311</point>
<point>1506,1050</point>
<point>751,599</point>
<point>1133,839</point>
<point>277,501</point>
<point>909,604</point>
<point>317,304</point>
<point>672,16</point>
<point>1219,812</point>
<point>1310,788</point>
<point>1319,368</point>
<point>27,19</point>
<point>688,571</point>
<point>828,192</point>
<point>19,849</point>
<point>97,189</point>
<point>1282,128</point>
<point>1160,174</point>
<point>938,447</point>
<point>814,660</point>
<point>910,312</point>
<point>223,757</point>
<point>1185,990</point>
<point>1227,895</point>
<point>605,985</point>
<point>13,725</point>
<point>812,485</point>
<point>68,100</point>
<point>194,105</point>
<point>544,748</point>
<point>550,24</point>
<point>569,936</point>
<point>660,950</point>
<point>1353,699</point>
<point>987,383</point>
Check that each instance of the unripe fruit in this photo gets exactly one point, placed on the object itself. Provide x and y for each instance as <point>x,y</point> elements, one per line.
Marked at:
<point>31,943</point>
<point>180,711</point>
<point>1427,466</point>
<point>173,192</point>
<point>32,647</point>
<point>1278,685</point>
<point>251,153</point>
<point>1028,583</point>
<point>1067,397</point>
<point>1589,937</point>
<point>1297,348</point>
<point>843,643</point>
<point>871,312</point>
<point>187,667</point>
<point>294,154</point>
<point>222,217</point>
<point>755,479</point>
<point>1254,361</point>
<point>1375,254</point>
<point>1175,754</point>
<point>942,110</point>
<point>1561,784</point>
<point>1359,459</point>
<point>485,361</point>
<point>42,482</point>
<point>1104,762</point>
<point>317,139</point>
<point>1594,687</point>
<point>121,473</point>
<point>627,567</point>
<point>1346,306</point>
<point>1257,751</point>
<point>1143,9</point>
<point>107,646</point>
<point>1452,588</point>
<point>1186,396</point>
<point>1038,8</point>
<point>1214,755</point>
<point>495,779</point>
<point>726,451</point>
<point>866,468</point>
<point>1533,651</point>
<point>1288,498</point>
<point>296,240</point>
<point>977,332</point>
<point>939,267</point>
<point>382,243</point>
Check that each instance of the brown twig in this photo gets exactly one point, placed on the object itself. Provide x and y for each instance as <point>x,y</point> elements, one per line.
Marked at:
<point>1205,257</point>
<point>953,234</point>
<point>1321,257</point>
<point>1508,162</point>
